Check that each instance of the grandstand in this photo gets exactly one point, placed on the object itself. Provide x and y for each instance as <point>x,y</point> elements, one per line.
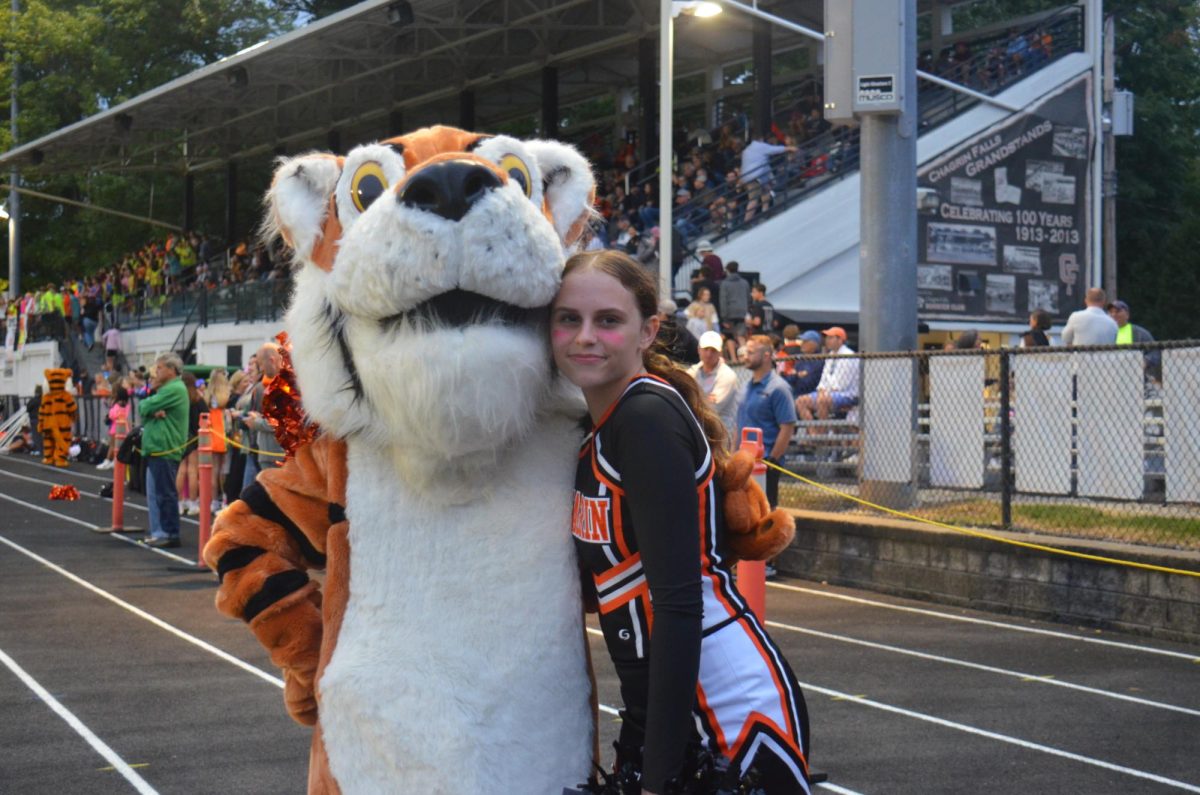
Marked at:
<point>591,80</point>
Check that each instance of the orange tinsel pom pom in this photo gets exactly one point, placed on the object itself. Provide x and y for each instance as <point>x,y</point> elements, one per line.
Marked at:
<point>281,405</point>
<point>64,492</point>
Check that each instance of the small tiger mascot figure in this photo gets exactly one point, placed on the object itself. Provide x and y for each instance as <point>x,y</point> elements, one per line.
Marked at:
<point>56,416</point>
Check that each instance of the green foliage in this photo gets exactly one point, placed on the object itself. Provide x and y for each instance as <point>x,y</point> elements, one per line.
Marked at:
<point>77,59</point>
<point>1158,199</point>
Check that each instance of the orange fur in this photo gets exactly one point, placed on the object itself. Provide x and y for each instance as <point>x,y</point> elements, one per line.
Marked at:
<point>755,531</point>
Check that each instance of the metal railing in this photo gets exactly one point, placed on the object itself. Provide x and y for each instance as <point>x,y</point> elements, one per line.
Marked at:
<point>1099,443</point>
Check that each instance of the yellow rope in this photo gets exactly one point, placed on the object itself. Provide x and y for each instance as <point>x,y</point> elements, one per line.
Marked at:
<point>249,449</point>
<point>982,534</point>
<point>175,449</point>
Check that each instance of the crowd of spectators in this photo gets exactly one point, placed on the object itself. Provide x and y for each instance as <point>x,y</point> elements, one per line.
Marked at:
<point>721,178</point>
<point>990,65</point>
<point>84,306</point>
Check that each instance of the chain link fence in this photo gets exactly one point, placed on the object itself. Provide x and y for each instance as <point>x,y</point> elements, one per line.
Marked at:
<point>1099,443</point>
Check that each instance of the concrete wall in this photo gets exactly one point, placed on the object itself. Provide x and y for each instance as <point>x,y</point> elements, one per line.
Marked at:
<point>20,375</point>
<point>212,342</point>
<point>142,346</point>
<point>921,562</point>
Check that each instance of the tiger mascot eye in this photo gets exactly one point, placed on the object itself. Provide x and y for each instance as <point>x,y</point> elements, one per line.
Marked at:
<point>445,651</point>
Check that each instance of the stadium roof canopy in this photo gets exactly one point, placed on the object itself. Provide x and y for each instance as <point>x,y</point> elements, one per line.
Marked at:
<point>351,71</point>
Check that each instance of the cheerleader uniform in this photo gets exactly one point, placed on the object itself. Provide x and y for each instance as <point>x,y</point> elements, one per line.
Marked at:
<point>649,530</point>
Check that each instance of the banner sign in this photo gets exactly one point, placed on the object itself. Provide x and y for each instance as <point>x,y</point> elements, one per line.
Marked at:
<point>1010,231</point>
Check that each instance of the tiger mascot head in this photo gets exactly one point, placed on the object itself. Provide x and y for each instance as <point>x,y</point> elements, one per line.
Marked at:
<point>426,263</point>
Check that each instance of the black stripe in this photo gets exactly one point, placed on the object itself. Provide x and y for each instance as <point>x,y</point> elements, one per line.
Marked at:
<point>261,504</point>
<point>337,321</point>
<point>275,588</point>
<point>471,147</point>
<point>337,513</point>
<point>720,625</point>
<point>236,559</point>
<point>396,147</point>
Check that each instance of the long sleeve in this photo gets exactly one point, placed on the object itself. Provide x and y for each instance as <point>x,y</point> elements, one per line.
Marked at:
<point>725,390</point>
<point>654,447</point>
<point>262,548</point>
<point>1068,334</point>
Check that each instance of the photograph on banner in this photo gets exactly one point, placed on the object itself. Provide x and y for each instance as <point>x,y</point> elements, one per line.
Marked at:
<point>1016,198</point>
<point>1023,259</point>
<point>1043,295</point>
<point>935,277</point>
<point>1001,293</point>
<point>962,243</point>
<point>966,191</point>
<point>1036,169</point>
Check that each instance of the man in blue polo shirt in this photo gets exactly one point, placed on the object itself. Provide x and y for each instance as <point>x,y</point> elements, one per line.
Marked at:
<point>767,403</point>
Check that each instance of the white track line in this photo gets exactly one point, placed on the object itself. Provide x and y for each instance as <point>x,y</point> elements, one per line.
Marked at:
<point>116,761</point>
<point>92,526</point>
<point>984,622</point>
<point>48,468</point>
<point>140,613</point>
<point>1004,738</point>
<point>98,745</point>
<point>1039,678</point>
<point>128,503</point>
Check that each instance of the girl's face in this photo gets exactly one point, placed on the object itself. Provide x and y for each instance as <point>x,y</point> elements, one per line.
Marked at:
<point>598,336</point>
<point>704,295</point>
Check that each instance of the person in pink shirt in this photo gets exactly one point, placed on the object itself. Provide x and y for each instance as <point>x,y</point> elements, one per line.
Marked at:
<point>118,422</point>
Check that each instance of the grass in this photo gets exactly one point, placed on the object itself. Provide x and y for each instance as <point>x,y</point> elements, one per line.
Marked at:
<point>1136,524</point>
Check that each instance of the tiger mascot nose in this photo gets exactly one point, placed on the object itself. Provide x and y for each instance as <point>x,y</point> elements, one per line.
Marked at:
<point>449,188</point>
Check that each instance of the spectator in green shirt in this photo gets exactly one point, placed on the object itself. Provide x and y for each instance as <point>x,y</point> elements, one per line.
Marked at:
<point>164,416</point>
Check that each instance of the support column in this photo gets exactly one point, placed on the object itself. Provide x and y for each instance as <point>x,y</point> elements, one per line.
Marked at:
<point>1110,168</point>
<point>231,188</point>
<point>550,102</point>
<point>888,236</point>
<point>333,141</point>
<point>466,109</point>
<point>395,124</point>
<point>189,202</point>
<point>762,76</point>
<point>647,99</point>
<point>14,198</point>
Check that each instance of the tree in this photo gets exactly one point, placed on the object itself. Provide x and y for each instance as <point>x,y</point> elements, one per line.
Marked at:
<point>76,59</point>
<point>1158,199</point>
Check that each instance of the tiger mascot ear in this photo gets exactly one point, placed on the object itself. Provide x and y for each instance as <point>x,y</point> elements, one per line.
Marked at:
<point>570,188</point>
<point>300,206</point>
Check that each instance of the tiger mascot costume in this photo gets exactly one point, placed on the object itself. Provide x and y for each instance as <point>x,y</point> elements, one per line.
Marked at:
<point>446,653</point>
<point>56,416</point>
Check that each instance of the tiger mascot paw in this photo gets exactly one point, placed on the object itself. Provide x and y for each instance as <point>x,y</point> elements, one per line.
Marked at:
<point>755,531</point>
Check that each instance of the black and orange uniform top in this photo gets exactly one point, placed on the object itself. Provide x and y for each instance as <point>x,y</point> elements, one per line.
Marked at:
<point>693,662</point>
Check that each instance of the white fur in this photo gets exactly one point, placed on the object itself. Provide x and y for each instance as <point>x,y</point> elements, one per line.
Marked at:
<point>397,256</point>
<point>298,199</point>
<point>460,667</point>
<point>569,192</point>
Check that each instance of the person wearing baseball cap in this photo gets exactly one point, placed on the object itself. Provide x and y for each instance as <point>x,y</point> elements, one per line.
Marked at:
<point>837,391</point>
<point>1127,333</point>
<point>804,374</point>
<point>717,380</point>
<point>1132,334</point>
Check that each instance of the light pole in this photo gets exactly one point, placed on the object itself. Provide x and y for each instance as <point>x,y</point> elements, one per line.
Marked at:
<point>13,214</point>
<point>668,10</point>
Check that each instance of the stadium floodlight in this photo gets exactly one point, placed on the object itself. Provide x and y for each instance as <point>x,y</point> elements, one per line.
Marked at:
<point>668,10</point>
<point>400,14</point>
<point>695,8</point>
